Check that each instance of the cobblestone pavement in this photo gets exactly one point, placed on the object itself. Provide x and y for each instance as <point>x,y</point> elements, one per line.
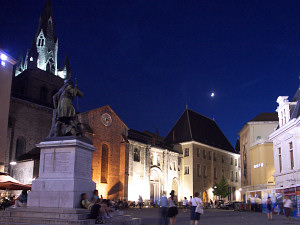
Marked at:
<point>213,217</point>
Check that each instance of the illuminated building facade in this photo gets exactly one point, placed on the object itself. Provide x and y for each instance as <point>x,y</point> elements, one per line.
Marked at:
<point>6,68</point>
<point>286,142</point>
<point>207,155</point>
<point>257,161</point>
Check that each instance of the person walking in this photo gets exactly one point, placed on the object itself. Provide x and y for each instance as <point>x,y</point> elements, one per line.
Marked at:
<point>184,204</point>
<point>140,201</point>
<point>173,211</point>
<point>288,207</point>
<point>163,209</point>
<point>195,217</point>
<point>269,205</point>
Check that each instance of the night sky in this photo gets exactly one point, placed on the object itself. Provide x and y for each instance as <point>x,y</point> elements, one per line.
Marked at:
<point>148,59</point>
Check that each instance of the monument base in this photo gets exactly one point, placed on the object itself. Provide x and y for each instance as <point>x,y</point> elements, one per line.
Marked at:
<point>64,174</point>
<point>63,216</point>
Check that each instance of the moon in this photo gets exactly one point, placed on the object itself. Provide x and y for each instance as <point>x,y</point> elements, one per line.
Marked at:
<point>212,94</point>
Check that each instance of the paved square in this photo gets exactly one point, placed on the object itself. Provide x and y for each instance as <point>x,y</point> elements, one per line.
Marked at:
<point>150,216</point>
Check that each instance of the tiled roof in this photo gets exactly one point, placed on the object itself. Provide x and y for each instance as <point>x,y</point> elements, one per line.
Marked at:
<point>193,126</point>
<point>265,117</point>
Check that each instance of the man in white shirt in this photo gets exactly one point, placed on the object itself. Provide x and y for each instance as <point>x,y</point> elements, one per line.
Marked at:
<point>288,207</point>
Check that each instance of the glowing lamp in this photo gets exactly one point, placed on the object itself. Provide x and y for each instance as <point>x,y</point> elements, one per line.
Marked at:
<point>212,94</point>
<point>13,163</point>
<point>3,57</point>
<point>2,63</point>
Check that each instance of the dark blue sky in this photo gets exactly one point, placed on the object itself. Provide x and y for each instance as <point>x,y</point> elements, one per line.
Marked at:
<point>148,59</point>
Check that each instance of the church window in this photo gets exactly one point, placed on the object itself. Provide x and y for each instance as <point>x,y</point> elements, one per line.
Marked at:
<point>151,159</point>
<point>20,146</point>
<point>186,152</point>
<point>104,164</point>
<point>186,170</point>
<point>136,155</point>
<point>158,161</point>
<point>43,94</point>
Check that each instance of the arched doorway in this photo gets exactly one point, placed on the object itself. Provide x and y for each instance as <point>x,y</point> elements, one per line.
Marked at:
<point>175,186</point>
<point>155,184</point>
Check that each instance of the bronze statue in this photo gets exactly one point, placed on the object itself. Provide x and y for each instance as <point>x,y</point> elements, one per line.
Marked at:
<point>65,121</point>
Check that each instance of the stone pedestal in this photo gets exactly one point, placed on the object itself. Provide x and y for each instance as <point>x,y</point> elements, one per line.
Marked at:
<point>64,174</point>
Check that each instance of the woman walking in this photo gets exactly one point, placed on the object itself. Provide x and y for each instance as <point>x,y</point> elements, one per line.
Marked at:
<point>269,205</point>
<point>194,202</point>
<point>173,211</point>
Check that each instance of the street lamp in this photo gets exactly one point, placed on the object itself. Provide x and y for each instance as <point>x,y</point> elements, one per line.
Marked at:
<point>13,163</point>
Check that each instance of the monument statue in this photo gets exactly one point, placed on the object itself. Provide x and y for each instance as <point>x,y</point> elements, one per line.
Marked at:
<point>65,121</point>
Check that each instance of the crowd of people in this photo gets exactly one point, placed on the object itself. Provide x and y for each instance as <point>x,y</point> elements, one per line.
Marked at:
<point>11,200</point>
<point>287,208</point>
<point>169,208</point>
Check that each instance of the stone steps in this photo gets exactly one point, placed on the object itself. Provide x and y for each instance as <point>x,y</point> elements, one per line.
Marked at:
<point>53,216</point>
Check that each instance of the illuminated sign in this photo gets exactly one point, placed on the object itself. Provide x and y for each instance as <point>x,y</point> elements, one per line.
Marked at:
<point>258,165</point>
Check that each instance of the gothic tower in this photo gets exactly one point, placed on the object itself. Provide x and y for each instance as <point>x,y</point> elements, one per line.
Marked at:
<point>43,52</point>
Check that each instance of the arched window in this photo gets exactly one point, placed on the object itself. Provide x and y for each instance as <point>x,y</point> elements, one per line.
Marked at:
<point>20,147</point>
<point>43,94</point>
<point>136,155</point>
<point>104,164</point>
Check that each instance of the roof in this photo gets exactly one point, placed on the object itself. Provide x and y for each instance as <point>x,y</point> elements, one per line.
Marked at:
<point>295,110</point>
<point>265,117</point>
<point>193,126</point>
<point>147,137</point>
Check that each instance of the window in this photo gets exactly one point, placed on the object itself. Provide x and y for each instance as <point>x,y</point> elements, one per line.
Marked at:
<point>229,193</point>
<point>233,193</point>
<point>186,170</point>
<point>223,173</point>
<point>174,166</point>
<point>104,164</point>
<point>231,176</point>
<point>215,173</point>
<point>198,152</point>
<point>158,161</point>
<point>280,161</point>
<point>209,155</point>
<point>235,162</point>
<point>223,159</point>
<point>186,152</point>
<point>236,176</point>
<point>179,163</point>
<point>136,155</point>
<point>198,170</point>
<point>205,171</point>
<point>231,161</point>
<point>151,159</point>
<point>291,155</point>
<point>204,154</point>
<point>171,166</point>
<point>214,155</point>
<point>20,147</point>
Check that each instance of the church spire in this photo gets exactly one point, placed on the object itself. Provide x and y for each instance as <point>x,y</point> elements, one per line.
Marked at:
<point>46,22</point>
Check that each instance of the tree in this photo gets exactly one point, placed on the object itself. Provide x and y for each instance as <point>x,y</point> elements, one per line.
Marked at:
<point>221,188</point>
